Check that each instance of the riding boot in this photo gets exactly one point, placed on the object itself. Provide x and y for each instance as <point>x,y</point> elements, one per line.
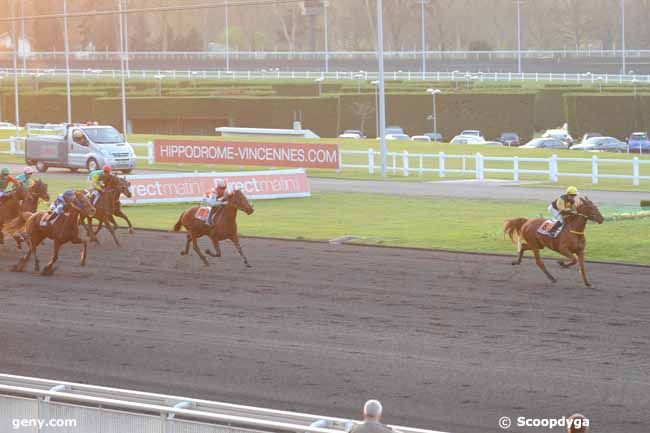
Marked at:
<point>556,228</point>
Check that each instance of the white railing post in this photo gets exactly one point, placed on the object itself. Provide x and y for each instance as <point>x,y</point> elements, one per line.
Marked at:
<point>515,169</point>
<point>405,163</point>
<point>421,170</point>
<point>13,145</point>
<point>552,169</point>
<point>151,159</point>
<point>635,171</point>
<point>480,175</point>
<point>594,169</point>
<point>441,164</point>
<point>394,162</point>
<point>371,161</point>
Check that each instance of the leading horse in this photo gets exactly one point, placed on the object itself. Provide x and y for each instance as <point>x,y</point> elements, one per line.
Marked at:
<point>224,227</point>
<point>65,229</point>
<point>570,243</point>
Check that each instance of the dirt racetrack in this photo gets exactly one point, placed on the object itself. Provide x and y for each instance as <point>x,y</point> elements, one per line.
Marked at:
<point>447,341</point>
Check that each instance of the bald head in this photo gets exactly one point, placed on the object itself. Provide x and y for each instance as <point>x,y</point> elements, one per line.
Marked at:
<point>372,409</point>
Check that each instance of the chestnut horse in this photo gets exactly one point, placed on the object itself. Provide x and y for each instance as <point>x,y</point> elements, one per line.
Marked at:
<point>224,227</point>
<point>570,243</point>
<point>65,229</point>
<point>16,227</point>
<point>108,207</point>
<point>10,207</point>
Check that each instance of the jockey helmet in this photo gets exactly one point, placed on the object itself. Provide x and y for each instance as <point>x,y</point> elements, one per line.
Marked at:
<point>28,170</point>
<point>221,184</point>
<point>572,190</point>
<point>107,169</point>
<point>68,194</point>
<point>5,172</point>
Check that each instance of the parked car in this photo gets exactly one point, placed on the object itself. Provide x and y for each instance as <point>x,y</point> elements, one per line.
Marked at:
<point>606,144</point>
<point>545,143</point>
<point>559,134</point>
<point>435,136</point>
<point>638,142</point>
<point>421,138</point>
<point>394,130</point>
<point>474,132</point>
<point>8,126</point>
<point>509,139</point>
<point>397,137</point>
<point>467,139</point>
<point>589,135</point>
<point>352,133</point>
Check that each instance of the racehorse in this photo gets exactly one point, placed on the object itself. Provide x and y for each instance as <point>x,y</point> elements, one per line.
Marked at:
<point>10,207</point>
<point>224,227</point>
<point>108,207</point>
<point>65,229</point>
<point>570,243</point>
<point>15,227</point>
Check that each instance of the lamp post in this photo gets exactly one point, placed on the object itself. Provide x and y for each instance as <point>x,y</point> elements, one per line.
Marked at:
<point>326,40</point>
<point>122,65</point>
<point>67,59</point>
<point>227,19</point>
<point>382,93</point>
<point>434,116</point>
<point>634,81</point>
<point>600,84</point>
<point>423,42</point>
<point>519,68</point>
<point>375,85</point>
<point>359,76</point>
<point>623,66</point>
<point>15,61</point>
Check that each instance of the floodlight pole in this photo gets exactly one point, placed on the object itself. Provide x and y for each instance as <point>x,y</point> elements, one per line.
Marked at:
<point>227,17</point>
<point>382,94</point>
<point>67,60</point>
<point>15,61</point>
<point>326,42</point>
<point>623,65</point>
<point>122,65</point>
<point>519,68</point>
<point>424,59</point>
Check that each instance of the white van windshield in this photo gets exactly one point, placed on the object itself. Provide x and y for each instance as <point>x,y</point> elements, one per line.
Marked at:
<point>103,135</point>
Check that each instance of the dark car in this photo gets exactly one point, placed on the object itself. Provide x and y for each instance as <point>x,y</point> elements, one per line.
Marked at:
<point>638,142</point>
<point>435,136</point>
<point>509,139</point>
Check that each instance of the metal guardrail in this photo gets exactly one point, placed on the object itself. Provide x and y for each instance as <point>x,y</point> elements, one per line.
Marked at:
<point>168,408</point>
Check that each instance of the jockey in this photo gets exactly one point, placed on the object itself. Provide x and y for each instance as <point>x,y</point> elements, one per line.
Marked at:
<point>97,180</point>
<point>565,205</point>
<point>26,179</point>
<point>215,198</point>
<point>6,179</point>
<point>57,208</point>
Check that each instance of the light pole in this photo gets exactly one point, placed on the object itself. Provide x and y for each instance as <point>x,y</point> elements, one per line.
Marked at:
<point>67,59</point>
<point>122,65</point>
<point>600,84</point>
<point>227,36</point>
<point>623,66</point>
<point>22,34</point>
<point>519,69</point>
<point>434,116</point>
<point>15,61</point>
<point>375,84</point>
<point>423,43</point>
<point>126,38</point>
<point>326,41</point>
<point>319,81</point>
<point>382,93</point>
<point>359,76</point>
<point>634,85</point>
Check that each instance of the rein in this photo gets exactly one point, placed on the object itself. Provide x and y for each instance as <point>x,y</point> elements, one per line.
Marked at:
<point>582,233</point>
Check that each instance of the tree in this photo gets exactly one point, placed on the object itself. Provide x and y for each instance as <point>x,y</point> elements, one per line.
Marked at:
<point>364,110</point>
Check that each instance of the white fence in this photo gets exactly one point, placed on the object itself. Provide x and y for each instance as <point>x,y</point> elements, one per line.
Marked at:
<point>109,410</point>
<point>276,74</point>
<point>478,165</point>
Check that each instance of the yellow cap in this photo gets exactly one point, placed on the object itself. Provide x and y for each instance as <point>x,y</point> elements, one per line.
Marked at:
<point>572,190</point>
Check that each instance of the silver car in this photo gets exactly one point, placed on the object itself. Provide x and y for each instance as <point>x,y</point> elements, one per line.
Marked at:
<point>604,144</point>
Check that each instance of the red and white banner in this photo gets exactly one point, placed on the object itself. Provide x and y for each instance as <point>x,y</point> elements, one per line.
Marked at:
<point>303,155</point>
<point>181,187</point>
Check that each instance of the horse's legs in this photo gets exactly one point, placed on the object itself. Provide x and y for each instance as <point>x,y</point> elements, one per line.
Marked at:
<point>49,268</point>
<point>195,245</point>
<point>19,242</point>
<point>217,248</point>
<point>235,240</point>
<point>84,253</point>
<point>188,238</point>
<point>122,215</point>
<point>583,271</point>
<point>568,254</point>
<point>520,253</point>
<point>542,266</point>
<point>110,228</point>
<point>20,266</point>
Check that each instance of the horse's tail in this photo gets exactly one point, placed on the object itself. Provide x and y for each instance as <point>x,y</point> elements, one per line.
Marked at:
<point>179,223</point>
<point>512,228</point>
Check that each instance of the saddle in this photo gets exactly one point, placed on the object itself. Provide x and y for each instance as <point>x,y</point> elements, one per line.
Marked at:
<point>203,215</point>
<point>551,228</point>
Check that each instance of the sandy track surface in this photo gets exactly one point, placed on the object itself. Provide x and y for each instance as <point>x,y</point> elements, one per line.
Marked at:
<point>446,341</point>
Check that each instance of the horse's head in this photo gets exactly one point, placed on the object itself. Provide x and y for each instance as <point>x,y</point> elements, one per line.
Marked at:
<point>39,190</point>
<point>82,204</point>
<point>587,208</point>
<point>124,186</point>
<point>239,200</point>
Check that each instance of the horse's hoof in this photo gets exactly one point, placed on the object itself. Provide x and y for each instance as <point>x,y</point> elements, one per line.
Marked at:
<point>514,263</point>
<point>131,231</point>
<point>16,269</point>
<point>249,266</point>
<point>183,253</point>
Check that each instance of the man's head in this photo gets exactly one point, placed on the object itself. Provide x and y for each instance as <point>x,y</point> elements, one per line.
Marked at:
<point>28,171</point>
<point>68,195</point>
<point>4,172</point>
<point>107,169</point>
<point>372,410</point>
<point>221,187</point>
